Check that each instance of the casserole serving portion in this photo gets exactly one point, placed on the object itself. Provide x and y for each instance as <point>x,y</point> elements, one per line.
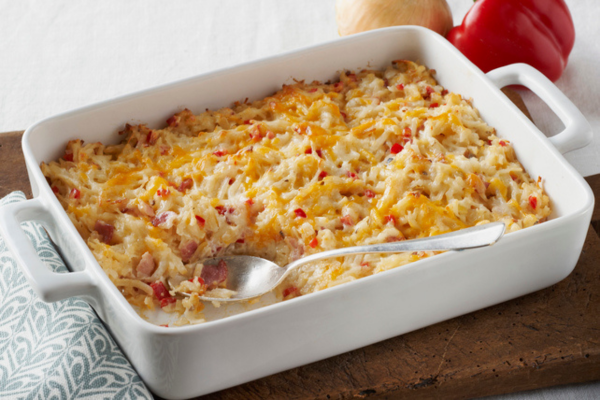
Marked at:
<point>374,157</point>
<point>196,359</point>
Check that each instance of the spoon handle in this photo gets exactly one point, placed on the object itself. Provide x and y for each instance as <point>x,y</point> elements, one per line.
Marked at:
<point>477,236</point>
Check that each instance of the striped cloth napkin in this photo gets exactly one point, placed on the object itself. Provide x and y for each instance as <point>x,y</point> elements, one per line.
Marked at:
<point>55,350</point>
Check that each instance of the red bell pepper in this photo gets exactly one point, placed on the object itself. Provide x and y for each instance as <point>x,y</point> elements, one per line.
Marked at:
<point>495,33</point>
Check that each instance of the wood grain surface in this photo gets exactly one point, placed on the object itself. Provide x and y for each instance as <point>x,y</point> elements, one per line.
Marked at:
<point>547,338</point>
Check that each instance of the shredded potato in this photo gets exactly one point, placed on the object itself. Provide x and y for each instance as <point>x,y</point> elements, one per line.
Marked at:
<point>378,156</point>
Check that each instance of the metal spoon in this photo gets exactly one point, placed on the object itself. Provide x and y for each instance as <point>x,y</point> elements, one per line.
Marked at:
<point>251,277</point>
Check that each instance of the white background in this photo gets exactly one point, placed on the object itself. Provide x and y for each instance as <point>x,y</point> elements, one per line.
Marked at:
<point>59,55</point>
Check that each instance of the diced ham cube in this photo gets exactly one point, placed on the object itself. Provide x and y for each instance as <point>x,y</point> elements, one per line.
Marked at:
<point>187,250</point>
<point>185,185</point>
<point>165,219</point>
<point>146,266</point>
<point>105,230</point>
<point>151,138</point>
<point>173,122</point>
<point>297,248</point>
<point>394,239</point>
<point>214,275</point>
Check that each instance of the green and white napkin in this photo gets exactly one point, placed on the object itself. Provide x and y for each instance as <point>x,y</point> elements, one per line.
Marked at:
<point>55,350</point>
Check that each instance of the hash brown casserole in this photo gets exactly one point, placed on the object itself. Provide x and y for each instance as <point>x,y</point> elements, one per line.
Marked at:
<point>377,156</point>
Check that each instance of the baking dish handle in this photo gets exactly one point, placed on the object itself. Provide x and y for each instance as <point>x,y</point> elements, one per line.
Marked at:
<point>577,132</point>
<point>48,285</point>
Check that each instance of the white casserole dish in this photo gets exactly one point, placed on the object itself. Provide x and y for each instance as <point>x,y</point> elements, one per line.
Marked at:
<point>194,360</point>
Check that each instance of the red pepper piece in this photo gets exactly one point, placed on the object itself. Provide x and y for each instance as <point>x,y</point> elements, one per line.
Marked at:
<point>320,153</point>
<point>250,202</point>
<point>162,192</point>
<point>300,213</point>
<point>201,221</point>
<point>400,86</point>
<point>338,87</point>
<point>220,153</point>
<point>74,194</point>
<point>533,202</point>
<point>389,218</point>
<point>502,143</point>
<point>495,33</point>
<point>200,280</point>
<point>308,151</point>
<point>396,148</point>
<point>221,210</point>
<point>160,291</point>
<point>322,175</point>
<point>314,243</point>
<point>165,302</point>
<point>291,290</point>
<point>369,193</point>
<point>55,189</point>
<point>68,157</point>
<point>434,105</point>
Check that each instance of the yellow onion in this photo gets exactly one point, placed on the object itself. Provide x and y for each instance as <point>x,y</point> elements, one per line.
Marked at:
<point>354,16</point>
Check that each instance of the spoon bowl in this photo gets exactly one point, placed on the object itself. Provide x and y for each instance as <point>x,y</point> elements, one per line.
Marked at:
<point>250,277</point>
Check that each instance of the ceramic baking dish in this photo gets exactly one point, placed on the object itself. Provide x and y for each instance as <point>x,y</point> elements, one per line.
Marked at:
<point>193,360</point>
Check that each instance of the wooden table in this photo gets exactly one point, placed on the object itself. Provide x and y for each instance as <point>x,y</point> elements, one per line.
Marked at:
<point>547,338</point>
